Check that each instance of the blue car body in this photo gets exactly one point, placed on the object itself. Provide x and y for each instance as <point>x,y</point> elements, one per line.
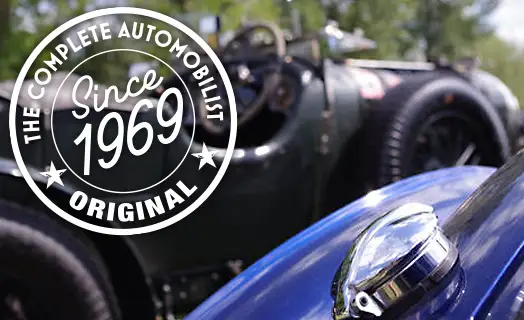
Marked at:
<point>294,280</point>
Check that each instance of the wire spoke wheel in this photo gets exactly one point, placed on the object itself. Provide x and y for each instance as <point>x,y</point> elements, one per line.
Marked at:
<point>447,139</point>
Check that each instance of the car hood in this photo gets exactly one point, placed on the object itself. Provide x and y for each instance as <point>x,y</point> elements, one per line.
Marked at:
<point>294,280</point>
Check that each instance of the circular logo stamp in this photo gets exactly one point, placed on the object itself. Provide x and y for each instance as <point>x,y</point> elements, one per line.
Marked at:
<point>132,157</point>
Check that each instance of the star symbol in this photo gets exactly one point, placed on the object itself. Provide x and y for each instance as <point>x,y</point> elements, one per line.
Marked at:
<point>206,157</point>
<point>53,175</point>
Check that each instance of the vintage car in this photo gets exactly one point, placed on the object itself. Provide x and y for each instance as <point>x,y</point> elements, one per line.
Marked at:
<point>314,133</point>
<point>446,244</point>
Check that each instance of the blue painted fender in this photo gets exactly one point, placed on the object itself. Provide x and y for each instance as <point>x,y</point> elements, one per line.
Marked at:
<point>294,280</point>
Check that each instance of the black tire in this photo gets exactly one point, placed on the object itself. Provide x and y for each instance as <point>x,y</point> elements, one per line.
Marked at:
<point>48,273</point>
<point>391,130</point>
<point>519,132</point>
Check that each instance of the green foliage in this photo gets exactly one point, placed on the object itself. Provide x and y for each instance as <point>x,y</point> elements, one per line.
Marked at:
<point>383,21</point>
<point>30,21</point>
<point>402,27</point>
<point>311,12</point>
<point>505,62</point>
<point>451,28</point>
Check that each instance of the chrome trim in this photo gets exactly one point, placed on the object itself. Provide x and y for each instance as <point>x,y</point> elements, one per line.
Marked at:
<point>399,65</point>
<point>402,250</point>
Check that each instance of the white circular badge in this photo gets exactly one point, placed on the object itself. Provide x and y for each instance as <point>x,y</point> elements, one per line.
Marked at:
<point>129,156</point>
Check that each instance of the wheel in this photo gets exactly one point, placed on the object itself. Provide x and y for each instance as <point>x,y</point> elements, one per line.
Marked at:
<point>46,273</point>
<point>431,121</point>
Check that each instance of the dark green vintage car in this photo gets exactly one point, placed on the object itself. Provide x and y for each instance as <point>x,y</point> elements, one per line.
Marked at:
<point>314,133</point>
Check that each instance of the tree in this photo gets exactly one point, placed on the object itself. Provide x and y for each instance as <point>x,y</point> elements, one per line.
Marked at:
<point>451,28</point>
<point>5,14</point>
<point>504,61</point>
<point>312,14</point>
<point>382,21</point>
<point>28,22</point>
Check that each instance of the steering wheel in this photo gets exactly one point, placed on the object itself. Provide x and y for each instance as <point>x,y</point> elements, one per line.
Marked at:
<point>240,58</point>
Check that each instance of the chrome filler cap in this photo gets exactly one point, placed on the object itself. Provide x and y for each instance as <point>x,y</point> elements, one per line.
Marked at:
<point>397,253</point>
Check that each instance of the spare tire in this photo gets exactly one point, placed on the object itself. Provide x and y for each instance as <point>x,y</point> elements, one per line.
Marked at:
<point>398,138</point>
<point>46,273</point>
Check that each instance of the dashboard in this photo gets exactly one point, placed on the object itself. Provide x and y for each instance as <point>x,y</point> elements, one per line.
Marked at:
<point>278,110</point>
<point>282,101</point>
